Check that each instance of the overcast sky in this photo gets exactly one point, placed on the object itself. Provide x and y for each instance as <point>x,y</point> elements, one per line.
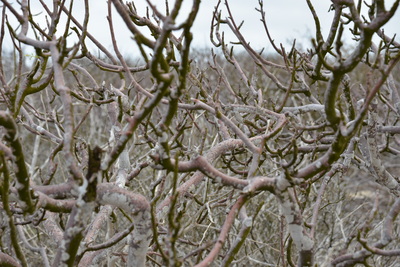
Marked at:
<point>287,20</point>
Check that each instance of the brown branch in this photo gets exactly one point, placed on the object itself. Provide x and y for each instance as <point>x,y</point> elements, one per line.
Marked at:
<point>207,261</point>
<point>8,261</point>
<point>65,94</point>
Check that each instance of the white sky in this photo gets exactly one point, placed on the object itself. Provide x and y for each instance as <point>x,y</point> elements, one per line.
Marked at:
<point>287,20</point>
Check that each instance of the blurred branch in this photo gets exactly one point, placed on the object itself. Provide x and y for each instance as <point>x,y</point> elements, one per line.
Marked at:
<point>8,261</point>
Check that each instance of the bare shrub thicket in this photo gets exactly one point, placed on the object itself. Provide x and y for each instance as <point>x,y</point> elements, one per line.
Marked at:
<point>212,157</point>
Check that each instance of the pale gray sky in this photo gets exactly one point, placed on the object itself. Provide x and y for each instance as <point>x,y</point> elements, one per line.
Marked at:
<point>287,20</point>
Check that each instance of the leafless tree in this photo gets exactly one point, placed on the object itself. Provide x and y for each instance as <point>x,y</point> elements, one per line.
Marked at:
<point>202,158</point>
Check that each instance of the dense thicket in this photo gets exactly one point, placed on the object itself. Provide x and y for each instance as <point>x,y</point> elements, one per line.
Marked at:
<point>183,157</point>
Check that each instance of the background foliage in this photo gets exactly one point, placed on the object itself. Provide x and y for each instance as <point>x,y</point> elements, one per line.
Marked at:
<point>226,156</point>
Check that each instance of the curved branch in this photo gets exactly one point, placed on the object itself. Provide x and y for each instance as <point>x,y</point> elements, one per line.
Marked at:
<point>224,232</point>
<point>139,208</point>
<point>21,172</point>
<point>8,261</point>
